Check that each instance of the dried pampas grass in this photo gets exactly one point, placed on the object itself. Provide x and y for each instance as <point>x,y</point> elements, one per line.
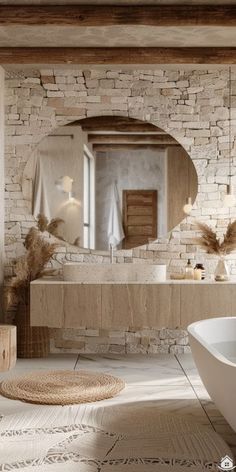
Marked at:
<point>208,241</point>
<point>51,227</point>
<point>42,222</point>
<point>29,267</point>
<point>212,245</point>
<point>77,242</point>
<point>229,243</point>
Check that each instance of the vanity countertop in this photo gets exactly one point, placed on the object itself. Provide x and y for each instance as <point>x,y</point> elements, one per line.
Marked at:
<point>58,280</point>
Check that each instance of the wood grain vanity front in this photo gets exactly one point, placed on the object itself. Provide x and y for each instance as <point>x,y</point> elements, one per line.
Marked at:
<point>202,301</point>
<point>47,305</point>
<point>59,304</point>
<point>82,306</point>
<point>140,305</point>
<point>162,305</point>
<point>108,306</point>
<point>121,305</point>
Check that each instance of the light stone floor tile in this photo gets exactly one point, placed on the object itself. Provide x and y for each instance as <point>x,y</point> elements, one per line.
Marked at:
<point>168,384</point>
<point>189,367</point>
<point>158,379</point>
<point>53,362</point>
<point>201,393</point>
<point>178,400</point>
<point>137,369</point>
<point>218,422</point>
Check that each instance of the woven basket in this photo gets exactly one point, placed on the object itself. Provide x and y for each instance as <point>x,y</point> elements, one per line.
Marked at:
<point>32,341</point>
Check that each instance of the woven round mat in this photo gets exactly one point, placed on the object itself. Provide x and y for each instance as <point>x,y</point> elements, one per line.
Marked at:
<point>62,387</point>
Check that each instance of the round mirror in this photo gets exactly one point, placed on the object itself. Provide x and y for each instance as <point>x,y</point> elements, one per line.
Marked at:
<point>110,180</point>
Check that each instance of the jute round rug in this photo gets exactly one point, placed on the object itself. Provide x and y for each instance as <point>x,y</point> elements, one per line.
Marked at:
<point>62,387</point>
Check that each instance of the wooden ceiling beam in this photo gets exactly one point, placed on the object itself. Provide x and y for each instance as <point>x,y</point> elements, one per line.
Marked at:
<point>129,147</point>
<point>119,56</point>
<point>131,139</point>
<point>109,15</point>
<point>116,123</point>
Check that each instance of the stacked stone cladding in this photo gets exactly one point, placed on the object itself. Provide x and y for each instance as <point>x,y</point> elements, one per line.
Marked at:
<point>192,106</point>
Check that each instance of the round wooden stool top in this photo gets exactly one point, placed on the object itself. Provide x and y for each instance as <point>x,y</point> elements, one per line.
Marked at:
<point>7,347</point>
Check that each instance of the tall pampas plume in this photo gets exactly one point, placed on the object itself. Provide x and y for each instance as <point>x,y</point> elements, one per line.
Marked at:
<point>229,242</point>
<point>212,245</point>
<point>31,266</point>
<point>51,227</point>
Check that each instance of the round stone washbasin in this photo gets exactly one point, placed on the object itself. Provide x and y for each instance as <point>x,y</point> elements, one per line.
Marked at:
<point>122,273</point>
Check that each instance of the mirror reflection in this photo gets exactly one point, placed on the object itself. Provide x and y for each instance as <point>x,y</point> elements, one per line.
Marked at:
<point>111,181</point>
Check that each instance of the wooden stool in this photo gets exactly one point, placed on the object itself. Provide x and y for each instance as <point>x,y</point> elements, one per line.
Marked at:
<point>7,347</point>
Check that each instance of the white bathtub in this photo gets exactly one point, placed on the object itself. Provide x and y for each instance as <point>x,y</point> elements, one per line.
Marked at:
<point>213,345</point>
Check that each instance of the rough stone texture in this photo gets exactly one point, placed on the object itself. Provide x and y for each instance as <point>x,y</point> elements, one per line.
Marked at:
<point>144,341</point>
<point>189,105</point>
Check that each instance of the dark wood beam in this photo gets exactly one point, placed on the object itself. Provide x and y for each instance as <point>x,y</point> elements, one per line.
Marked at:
<point>108,15</point>
<point>131,139</point>
<point>119,56</point>
<point>129,147</point>
<point>115,123</point>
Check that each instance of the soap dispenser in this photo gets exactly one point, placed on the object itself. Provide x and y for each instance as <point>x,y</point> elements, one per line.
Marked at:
<point>189,271</point>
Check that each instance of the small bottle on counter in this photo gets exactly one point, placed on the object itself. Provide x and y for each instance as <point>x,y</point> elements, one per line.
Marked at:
<point>199,272</point>
<point>189,271</point>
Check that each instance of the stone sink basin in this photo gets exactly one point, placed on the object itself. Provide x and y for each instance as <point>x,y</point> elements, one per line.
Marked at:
<point>119,273</point>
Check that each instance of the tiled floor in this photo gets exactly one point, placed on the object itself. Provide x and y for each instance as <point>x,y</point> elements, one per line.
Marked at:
<point>167,381</point>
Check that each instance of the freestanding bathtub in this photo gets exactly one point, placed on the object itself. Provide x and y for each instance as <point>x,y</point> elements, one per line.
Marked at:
<point>213,345</point>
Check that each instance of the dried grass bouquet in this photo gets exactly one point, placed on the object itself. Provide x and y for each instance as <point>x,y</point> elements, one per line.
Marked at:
<point>213,245</point>
<point>51,227</point>
<point>30,267</point>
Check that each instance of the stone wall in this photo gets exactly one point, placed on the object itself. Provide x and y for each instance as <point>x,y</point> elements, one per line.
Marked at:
<point>144,341</point>
<point>189,105</point>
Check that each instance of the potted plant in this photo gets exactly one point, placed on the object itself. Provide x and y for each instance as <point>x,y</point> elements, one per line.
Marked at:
<point>213,245</point>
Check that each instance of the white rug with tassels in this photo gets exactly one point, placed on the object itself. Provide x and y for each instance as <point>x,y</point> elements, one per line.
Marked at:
<point>89,438</point>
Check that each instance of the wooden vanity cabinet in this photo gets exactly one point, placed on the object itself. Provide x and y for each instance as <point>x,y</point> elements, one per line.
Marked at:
<point>59,304</point>
<point>199,302</point>
<point>139,305</point>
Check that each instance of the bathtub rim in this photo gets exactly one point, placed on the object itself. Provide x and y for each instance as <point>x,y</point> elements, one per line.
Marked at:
<point>191,329</point>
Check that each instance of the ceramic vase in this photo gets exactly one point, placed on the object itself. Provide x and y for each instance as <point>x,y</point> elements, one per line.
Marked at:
<point>222,273</point>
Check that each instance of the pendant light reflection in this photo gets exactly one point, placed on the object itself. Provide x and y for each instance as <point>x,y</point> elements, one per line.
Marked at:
<point>64,184</point>
<point>229,198</point>
<point>187,208</point>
